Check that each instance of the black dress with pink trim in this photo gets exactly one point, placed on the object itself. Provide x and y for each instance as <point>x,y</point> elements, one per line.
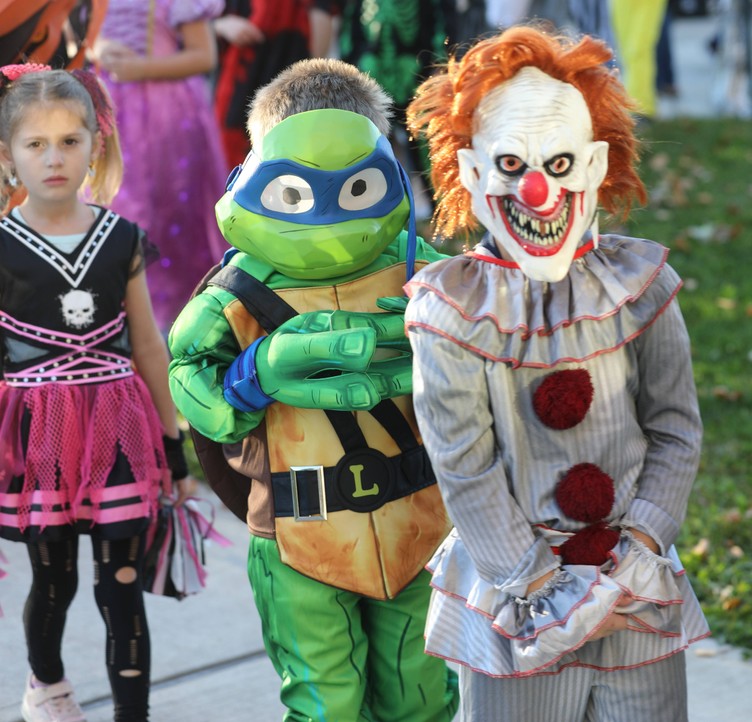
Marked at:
<point>80,440</point>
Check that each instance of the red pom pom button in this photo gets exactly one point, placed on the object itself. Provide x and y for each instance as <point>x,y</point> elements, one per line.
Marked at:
<point>590,546</point>
<point>585,493</point>
<point>563,398</point>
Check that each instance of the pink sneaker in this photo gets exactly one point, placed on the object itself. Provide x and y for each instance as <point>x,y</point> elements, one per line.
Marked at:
<point>52,703</point>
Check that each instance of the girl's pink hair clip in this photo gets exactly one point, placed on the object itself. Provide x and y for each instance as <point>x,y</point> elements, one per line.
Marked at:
<point>14,72</point>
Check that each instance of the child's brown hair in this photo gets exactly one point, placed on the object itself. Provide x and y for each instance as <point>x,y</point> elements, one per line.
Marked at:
<point>315,84</point>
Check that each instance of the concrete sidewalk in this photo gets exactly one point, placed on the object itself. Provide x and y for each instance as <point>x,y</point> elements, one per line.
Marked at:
<point>707,85</point>
<point>696,70</point>
<point>208,660</point>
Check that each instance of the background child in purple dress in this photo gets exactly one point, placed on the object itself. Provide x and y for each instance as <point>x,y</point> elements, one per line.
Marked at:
<point>154,56</point>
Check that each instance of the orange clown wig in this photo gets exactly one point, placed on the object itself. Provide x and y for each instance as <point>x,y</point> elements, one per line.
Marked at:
<point>445,104</point>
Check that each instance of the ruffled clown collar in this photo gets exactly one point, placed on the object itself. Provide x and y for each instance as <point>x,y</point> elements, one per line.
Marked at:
<point>610,295</point>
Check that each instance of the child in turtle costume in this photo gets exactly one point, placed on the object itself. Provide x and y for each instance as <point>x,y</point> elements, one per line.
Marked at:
<point>294,358</point>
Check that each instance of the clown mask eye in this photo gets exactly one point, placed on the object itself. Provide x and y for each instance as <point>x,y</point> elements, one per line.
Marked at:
<point>288,194</point>
<point>559,165</point>
<point>362,190</point>
<point>510,165</point>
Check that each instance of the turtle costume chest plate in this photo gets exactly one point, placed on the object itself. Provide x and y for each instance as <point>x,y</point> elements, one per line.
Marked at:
<point>354,500</point>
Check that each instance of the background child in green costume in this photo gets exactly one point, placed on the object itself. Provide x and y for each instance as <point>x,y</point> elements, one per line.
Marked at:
<point>294,358</point>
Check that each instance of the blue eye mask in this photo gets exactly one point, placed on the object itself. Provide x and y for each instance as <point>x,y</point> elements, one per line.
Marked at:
<point>286,190</point>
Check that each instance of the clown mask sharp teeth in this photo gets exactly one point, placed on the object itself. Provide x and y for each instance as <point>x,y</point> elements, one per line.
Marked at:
<point>534,120</point>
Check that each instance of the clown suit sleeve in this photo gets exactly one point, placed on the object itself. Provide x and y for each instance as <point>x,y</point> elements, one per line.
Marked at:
<point>668,412</point>
<point>203,346</point>
<point>667,409</point>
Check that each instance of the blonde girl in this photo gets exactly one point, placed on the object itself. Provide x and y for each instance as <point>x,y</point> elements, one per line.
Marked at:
<point>87,444</point>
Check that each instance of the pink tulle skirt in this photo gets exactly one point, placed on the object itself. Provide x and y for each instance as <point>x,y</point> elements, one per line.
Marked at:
<point>82,457</point>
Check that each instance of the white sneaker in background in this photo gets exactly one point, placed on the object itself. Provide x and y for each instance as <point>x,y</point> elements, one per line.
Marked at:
<point>51,703</point>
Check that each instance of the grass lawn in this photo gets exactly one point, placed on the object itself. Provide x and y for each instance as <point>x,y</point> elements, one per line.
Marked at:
<point>699,177</point>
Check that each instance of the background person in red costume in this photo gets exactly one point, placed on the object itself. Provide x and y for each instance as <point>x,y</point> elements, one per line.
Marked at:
<point>257,40</point>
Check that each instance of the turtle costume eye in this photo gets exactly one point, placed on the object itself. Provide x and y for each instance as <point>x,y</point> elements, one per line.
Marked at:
<point>322,197</point>
<point>363,190</point>
<point>288,194</point>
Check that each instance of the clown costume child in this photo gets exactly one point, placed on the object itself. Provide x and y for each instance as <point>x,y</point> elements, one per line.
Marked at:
<point>553,388</point>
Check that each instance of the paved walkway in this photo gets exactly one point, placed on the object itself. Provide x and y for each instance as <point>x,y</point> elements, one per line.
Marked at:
<point>208,658</point>
<point>707,86</point>
<point>208,663</point>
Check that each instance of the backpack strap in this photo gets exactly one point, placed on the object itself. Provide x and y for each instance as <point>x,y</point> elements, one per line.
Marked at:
<point>271,311</point>
<point>232,487</point>
<point>259,300</point>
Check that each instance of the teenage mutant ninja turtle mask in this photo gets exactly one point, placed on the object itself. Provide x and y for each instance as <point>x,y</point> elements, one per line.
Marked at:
<point>533,172</point>
<point>322,197</point>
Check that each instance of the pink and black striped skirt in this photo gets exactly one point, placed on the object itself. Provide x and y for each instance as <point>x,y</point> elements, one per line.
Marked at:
<point>79,459</point>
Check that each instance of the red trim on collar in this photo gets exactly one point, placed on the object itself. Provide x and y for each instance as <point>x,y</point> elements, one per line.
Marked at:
<point>579,253</point>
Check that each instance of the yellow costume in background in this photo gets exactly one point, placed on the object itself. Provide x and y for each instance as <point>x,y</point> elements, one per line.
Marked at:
<point>637,26</point>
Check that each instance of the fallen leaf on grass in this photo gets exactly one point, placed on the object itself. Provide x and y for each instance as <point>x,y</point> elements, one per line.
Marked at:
<point>713,232</point>
<point>701,548</point>
<point>732,516</point>
<point>681,243</point>
<point>725,304</point>
<point>671,190</point>
<point>736,551</point>
<point>733,231</point>
<point>703,233</point>
<point>659,162</point>
<point>726,593</point>
<point>691,284</point>
<point>732,603</point>
<point>724,392</point>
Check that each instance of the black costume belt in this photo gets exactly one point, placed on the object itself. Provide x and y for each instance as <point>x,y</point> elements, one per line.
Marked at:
<point>363,481</point>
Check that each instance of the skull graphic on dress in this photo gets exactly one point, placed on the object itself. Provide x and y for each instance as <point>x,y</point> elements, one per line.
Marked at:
<point>78,308</point>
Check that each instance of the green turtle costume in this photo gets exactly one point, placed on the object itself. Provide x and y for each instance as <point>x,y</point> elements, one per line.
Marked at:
<point>294,358</point>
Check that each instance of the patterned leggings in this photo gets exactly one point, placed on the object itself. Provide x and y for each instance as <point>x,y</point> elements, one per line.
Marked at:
<point>119,596</point>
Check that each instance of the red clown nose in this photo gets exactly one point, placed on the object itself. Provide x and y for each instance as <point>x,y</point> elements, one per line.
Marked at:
<point>533,189</point>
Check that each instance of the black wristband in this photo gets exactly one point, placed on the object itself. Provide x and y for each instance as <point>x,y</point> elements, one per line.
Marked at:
<point>175,456</point>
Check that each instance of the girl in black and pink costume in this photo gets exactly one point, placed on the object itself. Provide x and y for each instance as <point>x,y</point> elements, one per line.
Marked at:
<point>87,443</point>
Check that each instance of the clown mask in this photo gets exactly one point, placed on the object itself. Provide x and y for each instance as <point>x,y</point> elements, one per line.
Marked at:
<point>533,172</point>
